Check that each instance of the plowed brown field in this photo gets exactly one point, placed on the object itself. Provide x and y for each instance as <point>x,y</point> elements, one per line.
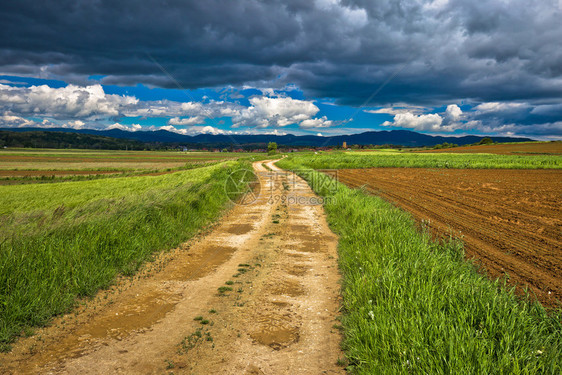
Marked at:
<point>554,148</point>
<point>17,173</point>
<point>510,220</point>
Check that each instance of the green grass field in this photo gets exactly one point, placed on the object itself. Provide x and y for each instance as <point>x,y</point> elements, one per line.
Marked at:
<point>116,154</point>
<point>414,306</point>
<point>31,166</point>
<point>382,159</point>
<point>66,240</point>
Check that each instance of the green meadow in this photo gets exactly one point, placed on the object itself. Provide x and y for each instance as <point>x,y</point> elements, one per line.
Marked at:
<point>415,306</point>
<point>384,159</point>
<point>60,241</point>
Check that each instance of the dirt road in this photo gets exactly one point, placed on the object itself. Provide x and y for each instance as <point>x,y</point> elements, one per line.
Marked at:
<point>257,294</point>
<point>510,220</point>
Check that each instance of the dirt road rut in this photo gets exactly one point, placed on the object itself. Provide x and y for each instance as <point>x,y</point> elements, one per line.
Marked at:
<point>258,294</point>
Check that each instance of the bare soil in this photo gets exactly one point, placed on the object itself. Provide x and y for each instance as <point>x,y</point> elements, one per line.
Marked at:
<point>550,148</point>
<point>37,173</point>
<point>115,159</point>
<point>74,163</point>
<point>510,220</point>
<point>250,296</point>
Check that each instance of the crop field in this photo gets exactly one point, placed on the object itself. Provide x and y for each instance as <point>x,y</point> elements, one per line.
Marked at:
<point>509,220</point>
<point>389,159</point>
<point>528,148</point>
<point>43,165</point>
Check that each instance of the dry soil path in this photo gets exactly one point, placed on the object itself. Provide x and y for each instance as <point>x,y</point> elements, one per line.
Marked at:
<point>276,263</point>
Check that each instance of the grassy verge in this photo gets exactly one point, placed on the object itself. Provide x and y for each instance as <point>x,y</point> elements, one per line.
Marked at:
<point>64,240</point>
<point>46,178</point>
<point>338,160</point>
<point>415,306</point>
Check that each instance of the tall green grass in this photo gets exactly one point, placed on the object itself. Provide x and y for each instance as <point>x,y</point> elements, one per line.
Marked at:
<point>339,160</point>
<point>64,240</point>
<point>413,306</point>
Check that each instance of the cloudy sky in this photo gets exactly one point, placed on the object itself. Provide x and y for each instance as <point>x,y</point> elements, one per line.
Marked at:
<point>296,66</point>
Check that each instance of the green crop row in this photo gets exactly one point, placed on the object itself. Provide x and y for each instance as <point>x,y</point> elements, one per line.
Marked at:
<point>414,306</point>
<point>340,160</point>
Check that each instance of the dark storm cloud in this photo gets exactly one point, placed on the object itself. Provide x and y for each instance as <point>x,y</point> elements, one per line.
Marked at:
<point>445,51</point>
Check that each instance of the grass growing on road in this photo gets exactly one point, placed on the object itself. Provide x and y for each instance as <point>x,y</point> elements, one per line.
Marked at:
<point>64,240</point>
<point>340,160</point>
<point>415,306</point>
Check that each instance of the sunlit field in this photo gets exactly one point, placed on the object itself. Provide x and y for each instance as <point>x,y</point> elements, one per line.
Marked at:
<point>411,302</point>
<point>64,240</point>
<point>45,165</point>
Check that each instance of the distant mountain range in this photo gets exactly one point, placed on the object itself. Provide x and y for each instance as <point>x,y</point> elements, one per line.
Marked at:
<point>393,137</point>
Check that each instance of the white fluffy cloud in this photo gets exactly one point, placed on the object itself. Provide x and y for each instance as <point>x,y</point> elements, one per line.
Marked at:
<point>64,102</point>
<point>10,120</point>
<point>199,110</point>
<point>430,122</point>
<point>132,128</point>
<point>320,122</point>
<point>90,102</point>
<point>186,121</point>
<point>487,118</point>
<point>453,113</point>
<point>193,130</point>
<point>89,106</point>
<point>266,112</point>
<point>76,124</point>
<point>453,118</point>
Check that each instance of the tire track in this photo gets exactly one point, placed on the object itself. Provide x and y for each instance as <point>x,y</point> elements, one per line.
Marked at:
<point>256,294</point>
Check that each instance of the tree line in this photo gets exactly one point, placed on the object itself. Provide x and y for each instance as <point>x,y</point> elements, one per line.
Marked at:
<point>46,139</point>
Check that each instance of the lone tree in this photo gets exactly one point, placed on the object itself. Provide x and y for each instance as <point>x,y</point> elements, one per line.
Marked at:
<point>272,148</point>
<point>486,141</point>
